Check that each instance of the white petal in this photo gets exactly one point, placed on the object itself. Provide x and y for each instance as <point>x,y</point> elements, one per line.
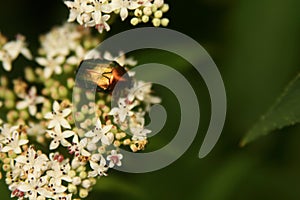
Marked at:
<point>48,115</point>
<point>54,144</point>
<point>21,159</point>
<point>65,143</point>
<point>22,104</point>
<point>25,52</point>
<point>67,134</point>
<point>113,111</point>
<point>42,61</point>
<point>56,106</point>
<point>45,193</point>
<point>64,123</point>
<point>24,187</point>
<point>85,152</point>
<point>53,123</point>
<point>66,112</point>
<point>90,134</point>
<point>106,128</point>
<point>48,72</point>
<point>7,65</point>
<point>6,148</point>
<point>32,110</point>
<point>22,142</point>
<point>17,150</point>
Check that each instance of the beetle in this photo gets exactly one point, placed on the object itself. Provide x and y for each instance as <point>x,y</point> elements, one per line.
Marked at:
<point>104,74</point>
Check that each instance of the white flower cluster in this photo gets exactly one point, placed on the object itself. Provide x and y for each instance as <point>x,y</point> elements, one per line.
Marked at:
<point>43,152</point>
<point>127,118</point>
<point>61,46</point>
<point>96,13</point>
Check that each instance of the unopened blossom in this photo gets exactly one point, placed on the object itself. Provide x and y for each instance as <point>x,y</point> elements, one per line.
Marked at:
<point>30,101</point>
<point>13,143</point>
<point>57,117</point>
<point>59,137</point>
<point>114,159</point>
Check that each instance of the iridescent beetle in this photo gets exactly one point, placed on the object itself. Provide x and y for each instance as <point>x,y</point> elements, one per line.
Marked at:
<point>104,74</point>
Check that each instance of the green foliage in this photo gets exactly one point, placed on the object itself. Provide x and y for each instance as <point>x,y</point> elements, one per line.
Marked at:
<point>285,112</point>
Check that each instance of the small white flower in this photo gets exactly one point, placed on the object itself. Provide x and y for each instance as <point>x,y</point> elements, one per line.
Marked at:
<point>30,101</point>
<point>77,147</point>
<point>55,188</point>
<point>51,64</point>
<point>101,24</point>
<point>123,110</point>
<point>11,50</point>
<point>57,117</point>
<point>121,59</point>
<point>99,168</point>
<point>32,161</point>
<point>59,138</point>
<point>139,133</point>
<point>14,143</point>
<point>34,187</point>
<point>114,158</point>
<point>123,5</point>
<point>35,129</point>
<point>6,131</point>
<point>59,171</point>
<point>100,133</point>
<point>77,8</point>
<point>139,90</point>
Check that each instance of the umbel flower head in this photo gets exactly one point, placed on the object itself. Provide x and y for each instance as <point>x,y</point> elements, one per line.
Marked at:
<point>96,13</point>
<point>49,147</point>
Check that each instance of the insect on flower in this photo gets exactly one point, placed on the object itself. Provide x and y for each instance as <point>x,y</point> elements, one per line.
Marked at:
<point>104,74</point>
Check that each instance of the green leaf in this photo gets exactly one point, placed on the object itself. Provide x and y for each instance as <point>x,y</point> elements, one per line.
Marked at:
<point>285,112</point>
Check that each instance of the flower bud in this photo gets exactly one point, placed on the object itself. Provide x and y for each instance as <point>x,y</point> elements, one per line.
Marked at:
<point>156,22</point>
<point>165,8</point>
<point>134,21</point>
<point>164,22</point>
<point>83,193</point>
<point>158,14</point>
<point>145,18</point>
<point>138,12</point>
<point>72,188</point>
<point>86,183</point>
<point>147,11</point>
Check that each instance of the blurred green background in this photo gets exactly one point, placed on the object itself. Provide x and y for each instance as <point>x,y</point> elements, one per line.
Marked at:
<point>255,45</point>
